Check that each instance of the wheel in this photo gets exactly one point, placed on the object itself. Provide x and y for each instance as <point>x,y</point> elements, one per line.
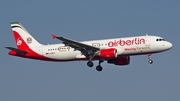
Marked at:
<point>90,63</point>
<point>99,68</point>
<point>150,61</point>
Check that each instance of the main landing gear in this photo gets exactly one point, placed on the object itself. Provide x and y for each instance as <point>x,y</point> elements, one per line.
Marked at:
<point>98,68</point>
<point>150,60</point>
<point>90,63</point>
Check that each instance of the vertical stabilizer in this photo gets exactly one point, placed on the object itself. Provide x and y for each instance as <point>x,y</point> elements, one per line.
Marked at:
<point>24,40</point>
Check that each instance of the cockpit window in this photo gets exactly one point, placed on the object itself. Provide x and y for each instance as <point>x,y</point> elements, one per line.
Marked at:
<point>160,40</point>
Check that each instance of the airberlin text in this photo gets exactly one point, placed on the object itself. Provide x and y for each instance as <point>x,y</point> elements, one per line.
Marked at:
<point>128,42</point>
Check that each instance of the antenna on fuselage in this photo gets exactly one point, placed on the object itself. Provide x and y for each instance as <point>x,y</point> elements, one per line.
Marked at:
<point>146,34</point>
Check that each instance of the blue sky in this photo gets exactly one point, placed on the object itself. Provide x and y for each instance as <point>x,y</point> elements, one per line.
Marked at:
<point>32,80</point>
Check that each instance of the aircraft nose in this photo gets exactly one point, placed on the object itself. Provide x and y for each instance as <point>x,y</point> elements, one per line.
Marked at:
<point>169,45</point>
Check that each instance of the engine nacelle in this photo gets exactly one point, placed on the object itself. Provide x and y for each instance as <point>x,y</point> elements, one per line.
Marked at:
<point>121,60</point>
<point>108,53</point>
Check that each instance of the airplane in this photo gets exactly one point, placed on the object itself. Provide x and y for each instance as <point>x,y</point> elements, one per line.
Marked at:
<point>115,51</point>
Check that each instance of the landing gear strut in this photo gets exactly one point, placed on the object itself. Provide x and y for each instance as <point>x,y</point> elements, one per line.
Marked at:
<point>90,63</point>
<point>150,60</point>
<point>99,68</point>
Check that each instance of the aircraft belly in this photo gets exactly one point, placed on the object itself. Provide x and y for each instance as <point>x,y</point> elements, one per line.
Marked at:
<point>62,55</point>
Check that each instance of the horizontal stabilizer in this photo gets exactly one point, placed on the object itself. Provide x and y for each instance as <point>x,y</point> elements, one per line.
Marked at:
<point>16,50</point>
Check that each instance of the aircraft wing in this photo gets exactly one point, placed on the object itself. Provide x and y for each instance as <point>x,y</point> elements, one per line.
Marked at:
<point>84,48</point>
<point>16,50</point>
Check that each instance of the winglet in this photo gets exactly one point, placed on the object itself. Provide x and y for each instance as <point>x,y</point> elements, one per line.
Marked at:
<point>54,36</point>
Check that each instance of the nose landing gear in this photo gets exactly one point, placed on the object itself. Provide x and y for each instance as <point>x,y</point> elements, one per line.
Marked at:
<point>150,60</point>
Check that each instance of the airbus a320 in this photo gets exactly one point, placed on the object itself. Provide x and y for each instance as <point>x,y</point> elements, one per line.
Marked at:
<point>115,51</point>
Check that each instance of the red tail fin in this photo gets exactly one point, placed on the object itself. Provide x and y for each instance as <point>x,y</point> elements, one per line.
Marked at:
<point>20,42</point>
<point>24,40</point>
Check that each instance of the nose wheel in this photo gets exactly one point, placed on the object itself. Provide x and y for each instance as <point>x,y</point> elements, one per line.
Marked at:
<point>150,60</point>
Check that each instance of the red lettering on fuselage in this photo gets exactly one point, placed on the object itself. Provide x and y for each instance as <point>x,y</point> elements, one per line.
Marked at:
<point>128,42</point>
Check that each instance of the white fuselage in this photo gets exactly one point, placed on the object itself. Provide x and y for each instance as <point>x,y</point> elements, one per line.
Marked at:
<point>130,46</point>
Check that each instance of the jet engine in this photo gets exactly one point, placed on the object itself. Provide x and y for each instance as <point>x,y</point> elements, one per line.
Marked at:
<point>121,60</point>
<point>110,53</point>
